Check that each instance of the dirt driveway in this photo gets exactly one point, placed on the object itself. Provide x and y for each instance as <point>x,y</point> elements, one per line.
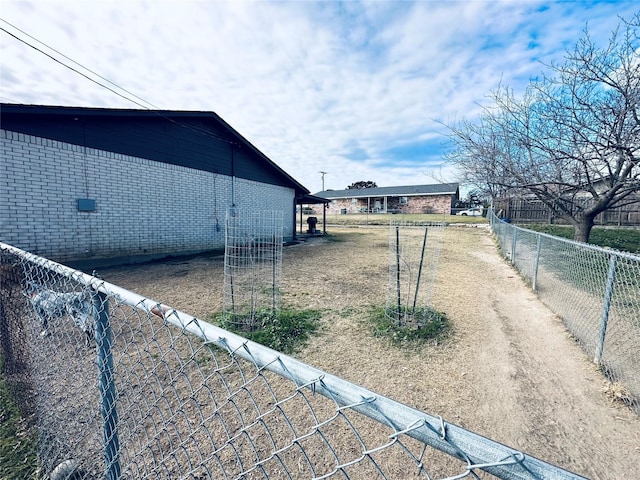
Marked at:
<point>509,372</point>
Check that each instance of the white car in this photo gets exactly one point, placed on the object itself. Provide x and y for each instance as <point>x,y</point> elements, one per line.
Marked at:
<point>471,212</point>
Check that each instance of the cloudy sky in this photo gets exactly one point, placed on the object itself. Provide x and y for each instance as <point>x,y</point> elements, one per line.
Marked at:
<point>357,89</point>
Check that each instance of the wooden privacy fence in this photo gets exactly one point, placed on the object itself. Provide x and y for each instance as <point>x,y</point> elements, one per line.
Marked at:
<point>533,211</point>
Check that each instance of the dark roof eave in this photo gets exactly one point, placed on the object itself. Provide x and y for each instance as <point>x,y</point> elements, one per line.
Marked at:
<point>124,112</point>
<point>310,199</point>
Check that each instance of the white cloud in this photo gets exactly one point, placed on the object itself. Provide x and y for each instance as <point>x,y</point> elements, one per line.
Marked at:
<point>315,85</point>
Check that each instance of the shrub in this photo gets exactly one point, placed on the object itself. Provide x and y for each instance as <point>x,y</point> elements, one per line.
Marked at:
<point>284,330</point>
<point>422,325</point>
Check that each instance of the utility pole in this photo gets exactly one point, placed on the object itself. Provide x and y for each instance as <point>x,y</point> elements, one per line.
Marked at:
<point>323,174</point>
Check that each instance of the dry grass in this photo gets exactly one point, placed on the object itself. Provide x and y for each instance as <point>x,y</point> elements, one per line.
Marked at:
<point>508,370</point>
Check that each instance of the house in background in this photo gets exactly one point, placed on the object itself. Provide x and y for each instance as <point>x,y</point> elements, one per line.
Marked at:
<point>438,198</point>
<point>82,184</point>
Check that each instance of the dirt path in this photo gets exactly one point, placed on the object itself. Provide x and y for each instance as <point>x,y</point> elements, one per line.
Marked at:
<point>535,388</point>
<point>509,372</point>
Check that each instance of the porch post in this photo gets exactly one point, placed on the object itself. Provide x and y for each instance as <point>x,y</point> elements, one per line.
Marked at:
<point>300,219</point>
<point>324,218</point>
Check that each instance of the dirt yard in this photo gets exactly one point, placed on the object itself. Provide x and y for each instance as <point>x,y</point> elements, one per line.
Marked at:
<point>510,371</point>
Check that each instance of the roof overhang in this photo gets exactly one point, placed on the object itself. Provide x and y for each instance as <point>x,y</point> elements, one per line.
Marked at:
<point>175,116</point>
<point>310,200</point>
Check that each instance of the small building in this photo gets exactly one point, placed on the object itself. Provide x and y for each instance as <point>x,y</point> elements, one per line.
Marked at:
<point>82,184</point>
<point>437,198</point>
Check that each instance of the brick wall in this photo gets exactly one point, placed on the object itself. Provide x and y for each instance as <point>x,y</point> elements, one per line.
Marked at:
<point>143,207</point>
<point>417,204</point>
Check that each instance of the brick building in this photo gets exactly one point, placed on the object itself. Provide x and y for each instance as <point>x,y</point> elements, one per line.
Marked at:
<point>81,184</point>
<point>438,198</point>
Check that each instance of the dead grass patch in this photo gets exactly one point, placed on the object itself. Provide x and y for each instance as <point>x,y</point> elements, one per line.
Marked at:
<point>506,370</point>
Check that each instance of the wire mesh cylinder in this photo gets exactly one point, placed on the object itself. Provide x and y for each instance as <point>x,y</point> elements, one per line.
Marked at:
<point>252,267</point>
<point>413,262</point>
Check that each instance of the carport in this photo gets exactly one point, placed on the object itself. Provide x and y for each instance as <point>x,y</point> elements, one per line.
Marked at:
<point>303,201</point>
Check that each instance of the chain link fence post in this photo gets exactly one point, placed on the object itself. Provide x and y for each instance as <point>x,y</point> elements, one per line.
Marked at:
<point>107,386</point>
<point>505,229</point>
<point>536,262</point>
<point>606,306</point>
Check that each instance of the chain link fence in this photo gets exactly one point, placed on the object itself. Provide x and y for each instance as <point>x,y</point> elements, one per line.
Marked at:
<point>122,387</point>
<point>596,292</point>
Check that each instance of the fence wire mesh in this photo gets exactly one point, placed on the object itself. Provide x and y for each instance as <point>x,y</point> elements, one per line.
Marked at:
<point>157,393</point>
<point>55,382</point>
<point>596,292</point>
<point>414,252</point>
<point>252,266</point>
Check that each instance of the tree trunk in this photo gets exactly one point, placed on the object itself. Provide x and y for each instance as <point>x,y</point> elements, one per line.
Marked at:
<point>582,228</point>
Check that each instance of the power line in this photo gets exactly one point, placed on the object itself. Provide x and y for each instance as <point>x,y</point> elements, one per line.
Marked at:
<point>145,107</point>
<point>195,128</point>
<point>76,63</point>
<point>72,69</point>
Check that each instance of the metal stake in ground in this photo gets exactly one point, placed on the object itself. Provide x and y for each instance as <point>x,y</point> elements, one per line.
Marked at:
<point>424,245</point>
<point>398,271</point>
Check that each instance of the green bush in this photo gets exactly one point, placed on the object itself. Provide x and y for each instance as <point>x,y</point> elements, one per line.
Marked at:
<point>284,330</point>
<point>422,325</point>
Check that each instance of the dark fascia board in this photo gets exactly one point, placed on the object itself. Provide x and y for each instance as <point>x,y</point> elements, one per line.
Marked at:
<point>399,191</point>
<point>310,199</point>
<point>172,115</point>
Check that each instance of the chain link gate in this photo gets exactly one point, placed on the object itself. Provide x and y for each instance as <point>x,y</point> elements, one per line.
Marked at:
<point>157,393</point>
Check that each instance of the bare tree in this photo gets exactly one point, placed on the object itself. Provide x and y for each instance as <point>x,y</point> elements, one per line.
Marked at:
<point>572,141</point>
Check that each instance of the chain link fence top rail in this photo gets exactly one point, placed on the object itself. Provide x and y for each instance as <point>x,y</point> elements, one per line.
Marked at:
<point>123,387</point>
<point>596,292</point>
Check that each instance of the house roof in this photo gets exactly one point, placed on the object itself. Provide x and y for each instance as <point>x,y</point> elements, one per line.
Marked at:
<point>399,191</point>
<point>195,139</point>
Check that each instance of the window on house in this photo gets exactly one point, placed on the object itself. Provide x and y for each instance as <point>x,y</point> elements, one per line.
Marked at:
<point>403,200</point>
<point>354,201</point>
